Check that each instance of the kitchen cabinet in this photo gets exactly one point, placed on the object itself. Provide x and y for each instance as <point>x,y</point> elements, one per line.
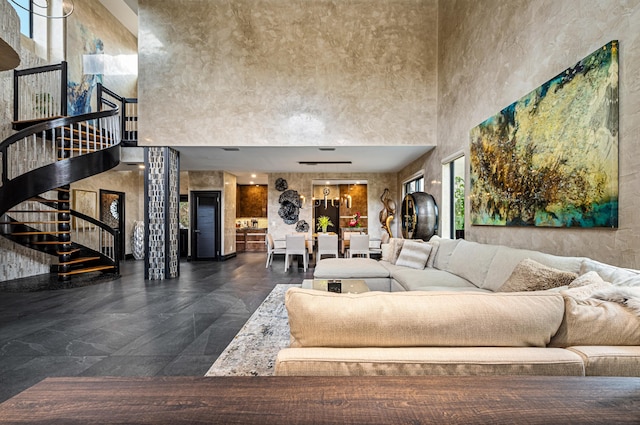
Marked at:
<point>251,201</point>
<point>251,239</point>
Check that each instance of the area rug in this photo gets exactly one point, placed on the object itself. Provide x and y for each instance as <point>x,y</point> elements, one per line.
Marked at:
<point>254,349</point>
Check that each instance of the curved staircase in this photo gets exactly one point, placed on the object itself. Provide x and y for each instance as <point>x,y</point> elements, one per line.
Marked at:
<point>38,165</point>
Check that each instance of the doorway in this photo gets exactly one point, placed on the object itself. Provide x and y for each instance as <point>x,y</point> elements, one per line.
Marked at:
<point>112,213</point>
<point>205,225</point>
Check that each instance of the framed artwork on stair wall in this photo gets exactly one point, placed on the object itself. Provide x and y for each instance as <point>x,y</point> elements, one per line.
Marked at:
<point>550,159</point>
<point>85,202</point>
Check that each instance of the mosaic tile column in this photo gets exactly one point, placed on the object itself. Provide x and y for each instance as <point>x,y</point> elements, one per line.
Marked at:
<point>162,201</point>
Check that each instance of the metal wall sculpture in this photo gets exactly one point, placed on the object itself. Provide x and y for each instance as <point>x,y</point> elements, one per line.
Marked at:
<point>388,211</point>
<point>551,158</point>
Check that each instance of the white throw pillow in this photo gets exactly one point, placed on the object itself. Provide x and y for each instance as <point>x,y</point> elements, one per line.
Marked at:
<point>387,252</point>
<point>435,244</point>
<point>414,254</point>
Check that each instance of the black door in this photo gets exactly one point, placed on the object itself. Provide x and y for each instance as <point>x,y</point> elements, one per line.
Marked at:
<point>112,212</point>
<point>206,224</point>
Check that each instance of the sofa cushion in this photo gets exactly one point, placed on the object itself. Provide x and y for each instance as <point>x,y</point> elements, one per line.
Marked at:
<point>349,268</point>
<point>506,259</point>
<point>615,275</point>
<point>414,255</point>
<point>412,279</point>
<point>404,361</point>
<point>414,319</point>
<point>445,249</point>
<point>596,322</point>
<point>471,260</point>
<point>435,244</point>
<point>608,360</point>
<point>529,275</point>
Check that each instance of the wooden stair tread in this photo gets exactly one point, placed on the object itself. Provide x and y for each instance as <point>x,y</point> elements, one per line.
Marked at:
<point>50,243</point>
<point>100,139</point>
<point>71,251</point>
<point>36,233</point>
<point>34,222</point>
<point>39,211</point>
<point>79,260</point>
<point>87,270</point>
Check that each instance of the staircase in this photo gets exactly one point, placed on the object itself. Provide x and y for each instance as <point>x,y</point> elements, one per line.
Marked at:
<point>39,162</point>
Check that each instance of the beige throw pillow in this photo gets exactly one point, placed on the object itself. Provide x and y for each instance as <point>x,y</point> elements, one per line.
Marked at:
<point>414,255</point>
<point>529,275</point>
<point>596,322</point>
<point>588,278</point>
<point>435,244</point>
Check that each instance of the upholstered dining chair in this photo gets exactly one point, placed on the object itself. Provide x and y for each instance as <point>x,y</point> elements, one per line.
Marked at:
<point>346,238</point>
<point>272,249</point>
<point>296,245</point>
<point>327,245</point>
<point>359,245</point>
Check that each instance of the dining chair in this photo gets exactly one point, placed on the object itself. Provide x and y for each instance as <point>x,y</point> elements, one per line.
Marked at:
<point>375,247</point>
<point>346,238</point>
<point>272,249</point>
<point>359,245</point>
<point>327,245</point>
<point>296,245</point>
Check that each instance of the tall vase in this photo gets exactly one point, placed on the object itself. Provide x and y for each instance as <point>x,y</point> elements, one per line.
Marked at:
<point>324,229</point>
<point>138,240</point>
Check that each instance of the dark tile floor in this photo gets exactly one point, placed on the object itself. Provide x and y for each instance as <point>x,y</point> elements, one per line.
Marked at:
<point>131,326</point>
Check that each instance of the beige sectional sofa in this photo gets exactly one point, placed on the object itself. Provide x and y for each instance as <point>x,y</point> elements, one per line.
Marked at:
<point>455,318</point>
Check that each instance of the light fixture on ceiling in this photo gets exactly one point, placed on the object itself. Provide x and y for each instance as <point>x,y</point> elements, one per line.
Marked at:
<point>231,149</point>
<point>324,162</point>
<point>67,8</point>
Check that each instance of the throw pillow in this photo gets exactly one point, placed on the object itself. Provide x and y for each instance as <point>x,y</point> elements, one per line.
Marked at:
<point>529,275</point>
<point>588,278</point>
<point>396,247</point>
<point>387,252</point>
<point>414,255</point>
<point>435,244</point>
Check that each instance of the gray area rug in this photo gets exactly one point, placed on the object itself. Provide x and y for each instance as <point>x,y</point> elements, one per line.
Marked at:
<point>254,349</point>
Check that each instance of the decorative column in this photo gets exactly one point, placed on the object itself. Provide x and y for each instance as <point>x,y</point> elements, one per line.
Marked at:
<point>161,209</point>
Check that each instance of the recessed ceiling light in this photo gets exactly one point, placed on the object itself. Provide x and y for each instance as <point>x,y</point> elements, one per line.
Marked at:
<point>253,176</point>
<point>251,182</point>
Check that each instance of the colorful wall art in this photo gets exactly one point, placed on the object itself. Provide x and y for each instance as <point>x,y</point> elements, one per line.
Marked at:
<point>551,158</point>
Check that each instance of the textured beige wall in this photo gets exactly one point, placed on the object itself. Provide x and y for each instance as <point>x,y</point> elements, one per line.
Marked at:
<point>287,72</point>
<point>91,20</point>
<point>129,182</point>
<point>492,52</point>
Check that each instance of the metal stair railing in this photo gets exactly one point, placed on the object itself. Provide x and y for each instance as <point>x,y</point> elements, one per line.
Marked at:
<point>128,113</point>
<point>39,93</point>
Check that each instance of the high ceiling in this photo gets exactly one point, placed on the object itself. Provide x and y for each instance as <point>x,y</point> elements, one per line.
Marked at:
<point>247,162</point>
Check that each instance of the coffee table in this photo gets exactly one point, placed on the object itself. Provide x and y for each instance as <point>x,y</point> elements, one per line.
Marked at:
<point>343,400</point>
<point>348,286</point>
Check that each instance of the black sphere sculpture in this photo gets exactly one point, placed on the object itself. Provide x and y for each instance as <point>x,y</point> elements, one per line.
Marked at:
<point>291,196</point>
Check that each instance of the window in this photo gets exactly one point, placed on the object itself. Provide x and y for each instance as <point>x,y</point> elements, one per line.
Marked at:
<point>24,8</point>
<point>415,185</point>
<point>453,197</point>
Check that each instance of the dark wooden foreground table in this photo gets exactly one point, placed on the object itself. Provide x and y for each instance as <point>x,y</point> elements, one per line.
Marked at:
<point>327,400</point>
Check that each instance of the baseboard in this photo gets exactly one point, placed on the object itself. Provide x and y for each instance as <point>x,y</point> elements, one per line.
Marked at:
<point>227,256</point>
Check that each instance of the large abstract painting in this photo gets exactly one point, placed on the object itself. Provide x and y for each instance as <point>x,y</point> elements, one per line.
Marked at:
<point>551,158</point>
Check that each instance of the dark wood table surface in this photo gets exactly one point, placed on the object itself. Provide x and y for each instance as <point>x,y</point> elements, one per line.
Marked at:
<point>327,400</point>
